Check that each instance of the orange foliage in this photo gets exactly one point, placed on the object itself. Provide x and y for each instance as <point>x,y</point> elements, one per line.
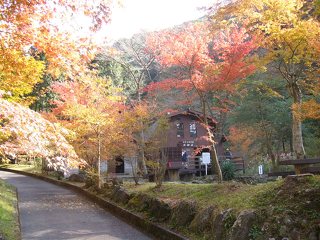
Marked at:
<point>41,24</point>
<point>203,68</point>
<point>243,137</point>
<point>308,110</point>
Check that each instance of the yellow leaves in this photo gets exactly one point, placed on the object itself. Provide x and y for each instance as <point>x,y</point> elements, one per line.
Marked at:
<point>4,135</point>
<point>283,30</point>
<point>93,110</point>
<point>308,110</point>
<point>18,74</point>
<point>41,24</point>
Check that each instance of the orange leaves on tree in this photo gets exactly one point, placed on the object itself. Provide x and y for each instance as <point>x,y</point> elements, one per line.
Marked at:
<point>42,25</point>
<point>308,110</point>
<point>91,109</point>
<point>206,62</point>
<point>231,49</point>
<point>242,138</point>
<point>166,85</point>
<point>184,47</point>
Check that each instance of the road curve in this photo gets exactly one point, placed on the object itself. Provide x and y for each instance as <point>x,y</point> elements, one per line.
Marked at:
<point>50,212</point>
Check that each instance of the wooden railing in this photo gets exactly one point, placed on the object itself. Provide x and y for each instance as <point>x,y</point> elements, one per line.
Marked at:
<point>303,165</point>
<point>195,165</point>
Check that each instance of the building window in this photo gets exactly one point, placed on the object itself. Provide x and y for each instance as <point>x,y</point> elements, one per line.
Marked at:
<point>193,129</point>
<point>180,130</point>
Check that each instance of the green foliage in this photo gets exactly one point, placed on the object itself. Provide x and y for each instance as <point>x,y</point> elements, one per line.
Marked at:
<point>37,162</point>
<point>256,233</point>
<point>229,221</point>
<point>92,177</point>
<point>130,65</point>
<point>311,132</point>
<point>9,225</point>
<point>317,7</point>
<point>111,69</point>
<point>262,116</point>
<point>43,95</point>
<point>228,170</point>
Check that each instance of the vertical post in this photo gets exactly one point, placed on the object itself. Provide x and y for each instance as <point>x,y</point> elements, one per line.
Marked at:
<point>206,169</point>
<point>243,169</point>
<point>99,157</point>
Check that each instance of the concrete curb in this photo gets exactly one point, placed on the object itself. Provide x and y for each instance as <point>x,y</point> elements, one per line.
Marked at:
<point>154,230</point>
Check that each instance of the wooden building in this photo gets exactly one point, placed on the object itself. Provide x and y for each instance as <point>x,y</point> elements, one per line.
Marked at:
<point>187,139</point>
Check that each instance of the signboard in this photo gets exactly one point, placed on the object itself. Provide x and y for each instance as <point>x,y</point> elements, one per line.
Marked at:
<point>205,158</point>
<point>188,143</point>
<point>260,169</point>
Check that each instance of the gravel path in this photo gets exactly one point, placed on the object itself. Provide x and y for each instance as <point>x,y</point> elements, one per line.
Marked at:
<point>50,212</point>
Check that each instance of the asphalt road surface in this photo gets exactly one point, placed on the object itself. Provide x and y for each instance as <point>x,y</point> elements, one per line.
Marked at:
<point>50,212</point>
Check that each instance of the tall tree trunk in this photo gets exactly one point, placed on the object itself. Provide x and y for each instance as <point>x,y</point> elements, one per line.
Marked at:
<point>141,160</point>
<point>297,140</point>
<point>99,158</point>
<point>213,152</point>
<point>142,164</point>
<point>273,157</point>
<point>215,163</point>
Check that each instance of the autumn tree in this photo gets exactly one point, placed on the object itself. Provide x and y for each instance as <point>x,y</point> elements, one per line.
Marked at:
<point>91,109</point>
<point>156,149</point>
<point>287,32</point>
<point>41,24</point>
<point>135,67</point>
<point>25,132</point>
<point>135,119</point>
<point>207,64</point>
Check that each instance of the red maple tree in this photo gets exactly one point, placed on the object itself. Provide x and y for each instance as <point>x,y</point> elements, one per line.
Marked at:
<point>207,62</point>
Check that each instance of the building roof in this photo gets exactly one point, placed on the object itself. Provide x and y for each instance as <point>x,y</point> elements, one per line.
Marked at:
<point>194,113</point>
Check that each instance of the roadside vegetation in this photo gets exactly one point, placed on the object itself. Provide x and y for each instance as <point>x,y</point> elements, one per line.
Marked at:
<point>9,221</point>
<point>291,203</point>
<point>227,195</point>
<point>24,168</point>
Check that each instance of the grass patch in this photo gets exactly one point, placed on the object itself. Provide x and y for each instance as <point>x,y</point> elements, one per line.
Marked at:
<point>9,224</point>
<point>227,195</point>
<point>21,167</point>
<point>293,203</point>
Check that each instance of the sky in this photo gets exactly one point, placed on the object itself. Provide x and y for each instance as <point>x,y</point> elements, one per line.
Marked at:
<point>149,15</point>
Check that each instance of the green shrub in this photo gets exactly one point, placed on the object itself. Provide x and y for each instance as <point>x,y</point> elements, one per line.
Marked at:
<point>256,233</point>
<point>228,170</point>
<point>92,177</point>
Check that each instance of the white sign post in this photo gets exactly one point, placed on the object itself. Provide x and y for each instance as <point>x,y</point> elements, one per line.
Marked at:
<point>206,160</point>
<point>260,169</point>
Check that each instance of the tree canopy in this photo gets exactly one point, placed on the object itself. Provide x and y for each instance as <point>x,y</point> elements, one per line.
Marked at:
<point>29,28</point>
<point>25,132</point>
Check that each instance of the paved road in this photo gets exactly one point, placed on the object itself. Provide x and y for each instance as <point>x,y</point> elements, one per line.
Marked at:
<point>49,212</point>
